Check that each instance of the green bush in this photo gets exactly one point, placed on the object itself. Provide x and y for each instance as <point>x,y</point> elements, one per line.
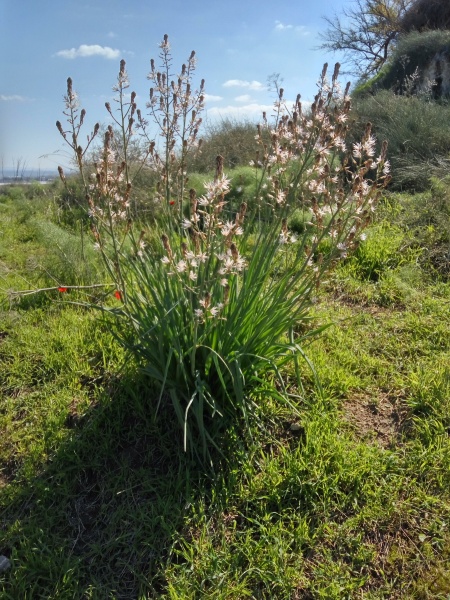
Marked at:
<point>232,139</point>
<point>423,15</point>
<point>418,135</point>
<point>69,202</point>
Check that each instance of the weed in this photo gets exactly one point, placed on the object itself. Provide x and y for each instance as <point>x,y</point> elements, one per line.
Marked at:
<point>213,311</point>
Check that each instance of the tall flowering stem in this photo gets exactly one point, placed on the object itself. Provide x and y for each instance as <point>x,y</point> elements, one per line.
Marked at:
<point>75,120</point>
<point>175,106</point>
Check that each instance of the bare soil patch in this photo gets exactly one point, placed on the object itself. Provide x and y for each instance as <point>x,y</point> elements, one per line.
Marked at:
<point>375,418</point>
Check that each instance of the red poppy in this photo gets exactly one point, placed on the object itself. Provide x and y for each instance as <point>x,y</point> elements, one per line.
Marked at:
<point>172,202</point>
<point>118,295</point>
<point>62,289</point>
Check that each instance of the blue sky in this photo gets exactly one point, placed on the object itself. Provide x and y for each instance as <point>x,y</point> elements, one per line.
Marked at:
<point>238,43</point>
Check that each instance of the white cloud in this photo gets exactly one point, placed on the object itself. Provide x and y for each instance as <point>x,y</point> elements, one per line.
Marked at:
<point>13,98</point>
<point>111,34</point>
<point>243,98</point>
<point>211,98</point>
<point>90,50</point>
<point>252,111</point>
<point>279,26</point>
<point>251,85</point>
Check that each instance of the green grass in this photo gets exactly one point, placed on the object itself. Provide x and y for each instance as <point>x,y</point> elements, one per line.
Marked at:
<point>349,500</point>
<point>38,250</point>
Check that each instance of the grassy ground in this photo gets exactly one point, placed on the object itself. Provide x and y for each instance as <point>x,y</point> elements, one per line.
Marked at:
<point>351,500</point>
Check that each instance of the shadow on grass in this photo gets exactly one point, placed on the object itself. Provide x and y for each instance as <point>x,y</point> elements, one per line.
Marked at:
<point>99,521</point>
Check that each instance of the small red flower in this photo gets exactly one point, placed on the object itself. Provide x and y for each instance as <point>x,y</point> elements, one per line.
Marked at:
<point>118,295</point>
<point>172,202</point>
<point>62,290</point>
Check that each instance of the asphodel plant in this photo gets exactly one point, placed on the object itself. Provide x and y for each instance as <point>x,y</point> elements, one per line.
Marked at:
<point>213,311</point>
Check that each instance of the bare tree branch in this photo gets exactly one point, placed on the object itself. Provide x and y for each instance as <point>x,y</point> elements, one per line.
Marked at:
<point>365,33</point>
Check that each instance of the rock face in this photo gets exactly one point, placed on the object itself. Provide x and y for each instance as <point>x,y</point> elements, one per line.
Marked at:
<point>420,64</point>
<point>437,74</point>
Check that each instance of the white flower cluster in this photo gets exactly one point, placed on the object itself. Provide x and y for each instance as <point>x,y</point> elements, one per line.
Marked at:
<point>307,152</point>
<point>208,257</point>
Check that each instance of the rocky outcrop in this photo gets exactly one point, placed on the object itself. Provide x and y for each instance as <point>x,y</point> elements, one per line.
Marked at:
<point>436,75</point>
<point>420,64</point>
